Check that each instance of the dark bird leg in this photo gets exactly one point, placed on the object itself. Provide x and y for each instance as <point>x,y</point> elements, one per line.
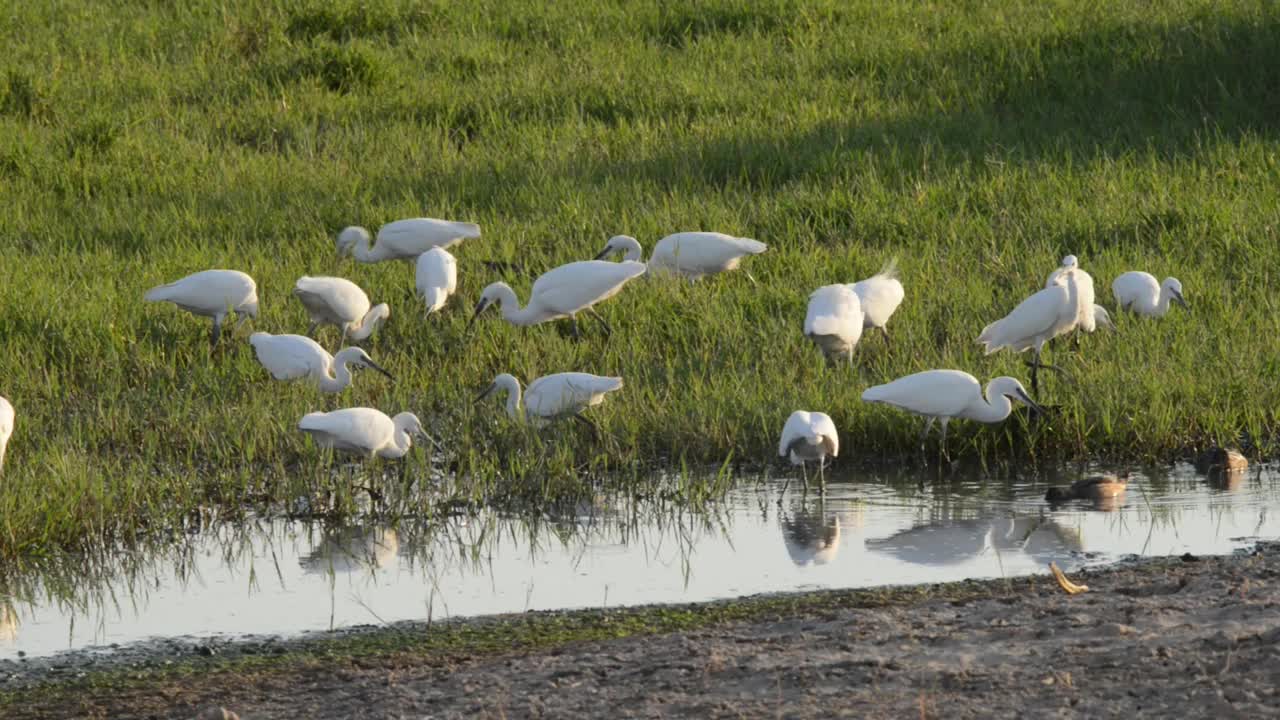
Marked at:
<point>595,431</point>
<point>928,425</point>
<point>945,455</point>
<point>217,331</point>
<point>885,331</point>
<point>311,329</point>
<point>607,330</point>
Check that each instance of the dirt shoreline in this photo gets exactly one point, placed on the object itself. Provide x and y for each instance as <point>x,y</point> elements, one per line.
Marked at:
<point>1185,637</point>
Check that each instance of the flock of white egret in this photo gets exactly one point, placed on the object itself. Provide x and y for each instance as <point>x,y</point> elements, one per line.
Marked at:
<point>836,317</point>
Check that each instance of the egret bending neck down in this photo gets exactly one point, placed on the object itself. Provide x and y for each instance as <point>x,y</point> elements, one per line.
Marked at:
<point>377,315</point>
<point>501,294</point>
<point>407,425</point>
<point>340,366</point>
<point>506,383</point>
<point>356,241</point>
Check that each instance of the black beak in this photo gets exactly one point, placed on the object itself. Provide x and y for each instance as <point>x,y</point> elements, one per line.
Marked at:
<point>1029,402</point>
<point>379,368</point>
<point>1177,296</point>
<point>485,394</point>
<point>604,253</point>
<point>480,306</point>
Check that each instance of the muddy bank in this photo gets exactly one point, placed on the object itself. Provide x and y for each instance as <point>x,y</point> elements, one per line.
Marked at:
<point>1192,637</point>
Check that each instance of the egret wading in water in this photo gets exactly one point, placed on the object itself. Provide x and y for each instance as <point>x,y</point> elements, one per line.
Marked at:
<point>692,254</point>
<point>1139,292</point>
<point>335,301</point>
<point>436,277</point>
<point>404,239</point>
<point>293,357</point>
<point>808,437</point>
<point>562,292</point>
<point>946,394</point>
<point>6,427</point>
<point>880,296</point>
<point>213,294</point>
<point>833,322</point>
<point>1053,311</point>
<point>364,432</point>
<point>554,397</point>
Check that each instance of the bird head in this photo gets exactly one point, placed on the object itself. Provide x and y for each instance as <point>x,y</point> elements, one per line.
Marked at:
<point>1174,287</point>
<point>625,244</point>
<point>348,238</point>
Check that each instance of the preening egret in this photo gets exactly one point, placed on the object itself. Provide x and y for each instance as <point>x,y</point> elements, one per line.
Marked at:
<point>404,239</point>
<point>946,394</point>
<point>1053,311</point>
<point>436,277</point>
<point>213,294</point>
<point>1099,487</point>
<point>808,437</point>
<point>1139,292</point>
<point>6,427</point>
<point>562,292</point>
<point>335,301</point>
<point>1100,317</point>
<point>362,431</point>
<point>833,321</point>
<point>292,357</point>
<point>880,295</point>
<point>692,254</point>
<point>552,397</point>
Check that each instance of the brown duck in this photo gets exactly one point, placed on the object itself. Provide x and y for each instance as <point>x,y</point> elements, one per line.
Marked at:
<point>1098,487</point>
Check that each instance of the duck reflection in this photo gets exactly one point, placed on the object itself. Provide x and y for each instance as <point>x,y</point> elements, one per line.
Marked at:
<point>353,548</point>
<point>951,542</point>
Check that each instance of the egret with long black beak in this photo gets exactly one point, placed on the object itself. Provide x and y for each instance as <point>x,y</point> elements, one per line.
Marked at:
<point>562,292</point>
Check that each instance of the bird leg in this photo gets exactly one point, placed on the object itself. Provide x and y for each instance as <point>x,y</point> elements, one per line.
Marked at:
<point>608,331</point>
<point>885,331</point>
<point>595,431</point>
<point>311,329</point>
<point>574,319</point>
<point>1075,341</point>
<point>217,331</point>
<point>804,473</point>
<point>943,447</point>
<point>928,425</point>
<point>786,484</point>
<point>822,477</point>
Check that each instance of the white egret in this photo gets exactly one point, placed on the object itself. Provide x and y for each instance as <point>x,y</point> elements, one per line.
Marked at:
<point>562,292</point>
<point>1053,311</point>
<point>833,321</point>
<point>1139,292</point>
<point>808,437</point>
<point>213,294</point>
<point>553,397</point>
<point>436,277</point>
<point>404,239</point>
<point>946,394</point>
<point>292,357</point>
<point>6,427</point>
<point>335,301</point>
<point>363,431</point>
<point>1100,317</point>
<point>692,254</point>
<point>880,295</point>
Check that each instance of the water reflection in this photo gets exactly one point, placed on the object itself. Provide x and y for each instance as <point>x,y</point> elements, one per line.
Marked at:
<point>279,576</point>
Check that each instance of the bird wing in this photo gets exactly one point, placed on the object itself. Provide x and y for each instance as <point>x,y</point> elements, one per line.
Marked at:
<point>702,252</point>
<point>288,357</point>
<point>821,425</point>
<point>576,285</point>
<point>561,393</point>
<point>207,292</point>
<point>797,427</point>
<point>834,310</point>
<point>414,236</point>
<point>939,393</point>
<point>1083,283</point>
<point>437,268</point>
<point>1034,317</point>
<point>363,430</point>
<point>880,294</point>
<point>1136,287</point>
<point>338,297</point>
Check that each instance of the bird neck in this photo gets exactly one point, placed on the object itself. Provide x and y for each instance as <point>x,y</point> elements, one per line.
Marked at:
<point>509,304</point>
<point>362,251</point>
<point>514,396</point>
<point>1162,302</point>
<point>367,324</point>
<point>332,384</point>
<point>400,444</point>
<point>993,408</point>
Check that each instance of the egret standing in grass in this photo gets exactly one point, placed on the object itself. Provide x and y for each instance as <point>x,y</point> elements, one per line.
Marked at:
<point>404,239</point>
<point>361,431</point>
<point>1100,317</point>
<point>213,294</point>
<point>1053,311</point>
<point>692,254</point>
<point>292,357</point>
<point>946,394</point>
<point>436,277</point>
<point>833,321</point>
<point>562,292</point>
<point>808,437</point>
<point>880,295</point>
<point>335,301</point>
<point>1139,292</point>
<point>6,427</point>
<point>554,397</point>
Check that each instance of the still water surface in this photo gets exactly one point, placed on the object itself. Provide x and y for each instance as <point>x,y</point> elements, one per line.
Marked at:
<point>286,577</point>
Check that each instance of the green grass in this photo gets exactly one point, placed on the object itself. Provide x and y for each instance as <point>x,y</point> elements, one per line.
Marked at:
<point>977,142</point>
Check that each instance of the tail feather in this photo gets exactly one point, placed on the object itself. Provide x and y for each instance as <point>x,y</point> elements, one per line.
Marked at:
<point>890,269</point>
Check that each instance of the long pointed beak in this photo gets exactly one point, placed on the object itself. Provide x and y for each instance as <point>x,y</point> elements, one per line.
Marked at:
<point>604,253</point>
<point>480,306</point>
<point>486,392</point>
<point>379,368</point>
<point>1177,297</point>
<point>1029,402</point>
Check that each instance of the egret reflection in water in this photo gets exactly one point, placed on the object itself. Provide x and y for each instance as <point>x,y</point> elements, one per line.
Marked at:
<point>353,548</point>
<point>951,542</point>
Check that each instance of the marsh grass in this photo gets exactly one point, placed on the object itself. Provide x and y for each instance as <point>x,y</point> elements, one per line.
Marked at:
<point>978,144</point>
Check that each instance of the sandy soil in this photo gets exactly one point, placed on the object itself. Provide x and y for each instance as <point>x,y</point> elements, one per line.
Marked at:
<point>1181,637</point>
